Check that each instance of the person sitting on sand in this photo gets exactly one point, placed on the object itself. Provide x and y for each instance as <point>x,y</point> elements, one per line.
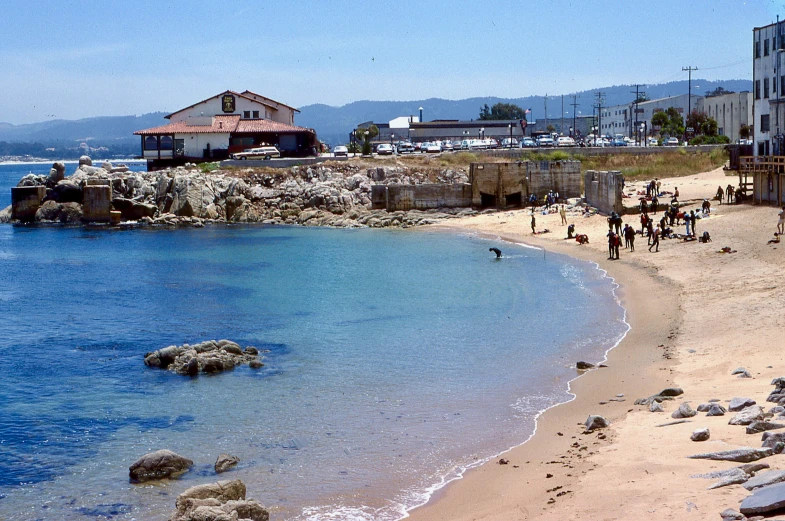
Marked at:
<point>497,251</point>
<point>705,237</point>
<point>570,231</point>
<point>582,238</point>
<point>775,240</point>
<point>726,249</point>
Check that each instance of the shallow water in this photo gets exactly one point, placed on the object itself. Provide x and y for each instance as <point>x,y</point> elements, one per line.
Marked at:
<point>395,359</point>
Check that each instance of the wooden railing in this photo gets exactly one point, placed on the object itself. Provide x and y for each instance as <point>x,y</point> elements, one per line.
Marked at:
<point>762,163</point>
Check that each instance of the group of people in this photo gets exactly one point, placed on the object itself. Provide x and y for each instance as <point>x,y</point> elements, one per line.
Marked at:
<point>730,193</point>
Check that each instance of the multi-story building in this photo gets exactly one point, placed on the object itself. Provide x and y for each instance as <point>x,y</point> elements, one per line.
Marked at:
<point>731,111</point>
<point>767,85</point>
<point>620,119</point>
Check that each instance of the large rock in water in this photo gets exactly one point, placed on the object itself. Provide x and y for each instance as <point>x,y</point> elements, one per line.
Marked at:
<point>225,462</point>
<point>221,501</point>
<point>162,464</point>
<point>764,499</point>
<point>56,174</point>
<point>133,210</point>
<point>210,356</point>
<point>59,212</point>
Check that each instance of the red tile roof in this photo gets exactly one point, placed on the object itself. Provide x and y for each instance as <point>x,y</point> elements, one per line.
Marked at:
<point>267,125</point>
<point>221,125</point>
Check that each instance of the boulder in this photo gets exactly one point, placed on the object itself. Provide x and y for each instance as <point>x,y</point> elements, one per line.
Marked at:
<point>594,422</point>
<point>584,365</point>
<point>741,455</point>
<point>746,416</point>
<point>210,356</point>
<point>5,214</point>
<point>734,476</point>
<point>85,160</point>
<point>56,174</point>
<point>672,391</point>
<point>684,411</point>
<point>224,500</point>
<point>132,210</point>
<point>716,410</point>
<point>738,403</point>
<point>700,435</point>
<point>761,426</point>
<point>655,406</point>
<point>66,191</point>
<point>225,462</point>
<point>704,407</point>
<point>764,499</point>
<point>190,195</point>
<point>739,370</point>
<point>764,479</point>
<point>51,211</point>
<point>162,464</point>
<point>731,515</point>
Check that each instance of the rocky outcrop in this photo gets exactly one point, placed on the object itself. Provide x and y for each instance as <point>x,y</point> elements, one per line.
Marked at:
<point>741,455</point>
<point>162,464</point>
<point>221,501</point>
<point>52,211</point>
<point>212,356</point>
<point>225,462</point>
<point>324,195</point>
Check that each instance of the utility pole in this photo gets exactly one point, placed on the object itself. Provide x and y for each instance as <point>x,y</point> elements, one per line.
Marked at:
<point>545,101</point>
<point>689,95</point>
<point>600,100</point>
<point>574,111</point>
<point>638,94</point>
<point>561,125</point>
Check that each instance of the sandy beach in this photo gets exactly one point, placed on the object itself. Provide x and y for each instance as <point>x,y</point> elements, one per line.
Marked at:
<point>696,315</point>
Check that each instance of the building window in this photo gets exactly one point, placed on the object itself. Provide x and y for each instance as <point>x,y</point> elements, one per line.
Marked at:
<point>765,88</point>
<point>757,49</point>
<point>151,143</point>
<point>247,114</point>
<point>764,122</point>
<point>166,142</point>
<point>757,89</point>
<point>766,47</point>
<point>721,131</point>
<point>255,114</point>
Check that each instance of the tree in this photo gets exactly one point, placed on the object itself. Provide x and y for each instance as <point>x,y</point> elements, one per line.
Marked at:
<point>745,131</point>
<point>502,111</point>
<point>719,91</point>
<point>641,98</point>
<point>551,128</point>
<point>702,124</point>
<point>366,134</point>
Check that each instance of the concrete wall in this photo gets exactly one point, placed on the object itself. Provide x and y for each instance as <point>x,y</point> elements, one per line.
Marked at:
<point>421,197</point>
<point>517,153</point>
<point>510,184</point>
<point>25,201</point>
<point>97,202</point>
<point>604,190</point>
<point>731,112</point>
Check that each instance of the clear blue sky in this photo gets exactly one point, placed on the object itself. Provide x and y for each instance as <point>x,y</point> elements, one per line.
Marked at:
<point>64,59</point>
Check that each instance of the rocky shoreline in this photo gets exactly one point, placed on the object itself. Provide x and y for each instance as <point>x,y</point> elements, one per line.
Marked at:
<point>337,195</point>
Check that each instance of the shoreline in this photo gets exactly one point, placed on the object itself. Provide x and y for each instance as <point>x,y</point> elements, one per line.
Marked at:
<point>696,315</point>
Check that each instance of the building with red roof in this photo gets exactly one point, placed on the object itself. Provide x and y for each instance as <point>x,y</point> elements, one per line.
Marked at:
<point>224,124</point>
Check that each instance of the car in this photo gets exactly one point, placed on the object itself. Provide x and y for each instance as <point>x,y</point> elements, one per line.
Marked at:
<point>262,152</point>
<point>340,150</point>
<point>545,141</point>
<point>671,142</point>
<point>447,145</point>
<point>457,145</point>
<point>528,142</point>
<point>653,142</point>
<point>491,143</point>
<point>509,143</point>
<point>466,144</point>
<point>618,142</point>
<point>433,148</point>
<point>565,141</point>
<point>385,149</point>
<point>405,147</point>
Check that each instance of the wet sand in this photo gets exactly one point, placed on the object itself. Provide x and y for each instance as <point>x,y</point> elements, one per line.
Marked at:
<point>695,315</point>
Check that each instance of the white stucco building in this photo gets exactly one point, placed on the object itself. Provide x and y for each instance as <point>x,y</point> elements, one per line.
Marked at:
<point>767,85</point>
<point>620,119</point>
<point>731,111</point>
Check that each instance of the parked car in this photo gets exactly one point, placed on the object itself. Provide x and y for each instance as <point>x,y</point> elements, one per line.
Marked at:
<point>433,148</point>
<point>565,141</point>
<point>340,150</point>
<point>263,152</point>
<point>509,143</point>
<point>446,145</point>
<point>491,143</point>
<point>405,147</point>
<point>528,142</point>
<point>457,145</point>
<point>653,142</point>
<point>618,142</point>
<point>671,142</point>
<point>385,149</point>
<point>544,141</point>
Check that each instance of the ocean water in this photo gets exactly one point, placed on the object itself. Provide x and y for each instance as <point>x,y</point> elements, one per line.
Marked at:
<point>394,360</point>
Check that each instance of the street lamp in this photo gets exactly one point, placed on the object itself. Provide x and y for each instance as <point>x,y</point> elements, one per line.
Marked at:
<point>510,143</point>
<point>482,133</point>
<point>420,114</point>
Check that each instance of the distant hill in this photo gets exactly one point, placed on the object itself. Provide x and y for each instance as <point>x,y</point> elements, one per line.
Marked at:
<point>105,129</point>
<point>333,124</point>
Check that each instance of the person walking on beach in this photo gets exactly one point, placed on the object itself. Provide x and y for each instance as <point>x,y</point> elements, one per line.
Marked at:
<point>729,192</point>
<point>654,202</point>
<point>563,214</point>
<point>781,222</point>
<point>693,222</point>
<point>650,230</point>
<point>613,245</point>
<point>534,223</point>
<point>720,193</point>
<point>687,223</point>
<point>626,236</point>
<point>656,240</point>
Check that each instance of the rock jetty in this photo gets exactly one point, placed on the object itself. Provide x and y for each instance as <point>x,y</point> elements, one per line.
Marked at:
<point>211,356</point>
<point>325,195</point>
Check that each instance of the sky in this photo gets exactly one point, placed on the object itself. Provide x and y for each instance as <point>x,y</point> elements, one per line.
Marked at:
<point>62,59</point>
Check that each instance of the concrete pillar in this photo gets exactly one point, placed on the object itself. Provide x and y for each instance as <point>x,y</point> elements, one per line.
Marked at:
<point>25,201</point>
<point>97,203</point>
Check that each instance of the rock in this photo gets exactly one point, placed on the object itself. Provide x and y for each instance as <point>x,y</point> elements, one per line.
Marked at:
<point>66,191</point>
<point>700,435</point>
<point>672,391</point>
<point>742,455</point>
<point>221,501</point>
<point>747,416</point>
<point>210,356</point>
<point>85,160</point>
<point>225,462</point>
<point>684,411</point>
<point>734,476</point>
<point>596,422</point>
<point>765,479</point>
<point>656,407</point>
<point>761,426</point>
<point>739,370</point>
<point>584,365</point>
<point>737,404</point>
<point>704,407</point>
<point>750,469</point>
<point>56,174</point>
<point>716,410</point>
<point>132,210</point>
<point>162,464</point>
<point>731,515</point>
<point>59,212</point>
<point>5,214</point>
<point>764,499</point>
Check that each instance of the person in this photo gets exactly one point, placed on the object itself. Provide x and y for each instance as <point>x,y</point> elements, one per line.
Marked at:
<point>582,238</point>
<point>650,229</point>
<point>738,195</point>
<point>693,222</point>
<point>720,193</point>
<point>654,202</point>
<point>644,206</point>
<point>781,222</point>
<point>556,197</point>
<point>729,192</point>
<point>616,244</point>
<point>626,236</point>
<point>706,206</point>
<point>534,222</point>
<point>644,221</point>
<point>676,193</point>
<point>630,237</point>
<point>563,214</point>
<point>687,223</point>
<point>570,231</point>
<point>612,237</point>
<point>533,200</point>
<point>658,186</point>
<point>497,251</point>
<point>656,240</point>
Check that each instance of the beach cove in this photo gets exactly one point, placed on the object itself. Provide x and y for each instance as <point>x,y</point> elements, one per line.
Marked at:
<point>696,315</point>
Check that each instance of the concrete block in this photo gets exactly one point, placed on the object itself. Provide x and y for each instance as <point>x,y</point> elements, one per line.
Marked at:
<point>25,201</point>
<point>97,203</point>
<point>97,182</point>
<point>115,217</point>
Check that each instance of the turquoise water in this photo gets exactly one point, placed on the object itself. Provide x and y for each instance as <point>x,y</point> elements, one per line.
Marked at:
<point>395,359</point>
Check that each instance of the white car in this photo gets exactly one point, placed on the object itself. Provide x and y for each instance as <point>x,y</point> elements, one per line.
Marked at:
<point>544,141</point>
<point>653,142</point>
<point>509,143</point>
<point>447,145</point>
<point>263,152</point>
<point>385,149</point>
<point>433,148</point>
<point>671,142</point>
<point>565,141</point>
<point>340,150</point>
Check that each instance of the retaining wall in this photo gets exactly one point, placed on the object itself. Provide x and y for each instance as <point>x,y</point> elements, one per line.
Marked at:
<point>510,184</point>
<point>604,190</point>
<point>421,197</point>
